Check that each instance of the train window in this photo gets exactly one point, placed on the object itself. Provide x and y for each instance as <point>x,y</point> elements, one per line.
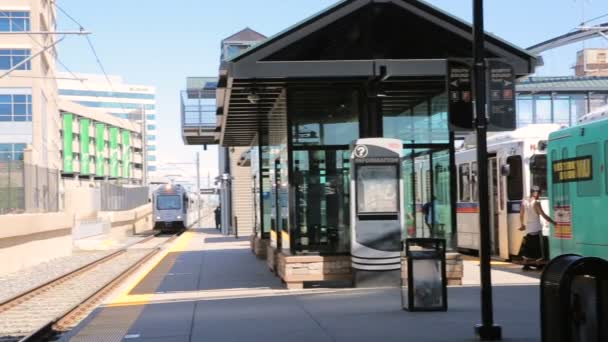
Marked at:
<point>556,186</point>
<point>590,187</point>
<point>515,179</point>
<point>538,172</point>
<point>172,202</point>
<point>464,183</point>
<point>565,186</point>
<point>474,187</point>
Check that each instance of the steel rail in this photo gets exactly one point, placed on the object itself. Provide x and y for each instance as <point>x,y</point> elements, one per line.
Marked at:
<point>48,329</point>
<point>59,323</point>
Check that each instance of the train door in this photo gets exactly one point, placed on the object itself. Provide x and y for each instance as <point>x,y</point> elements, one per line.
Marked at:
<point>498,218</point>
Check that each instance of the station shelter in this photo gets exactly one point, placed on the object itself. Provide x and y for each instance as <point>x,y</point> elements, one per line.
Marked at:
<point>362,68</point>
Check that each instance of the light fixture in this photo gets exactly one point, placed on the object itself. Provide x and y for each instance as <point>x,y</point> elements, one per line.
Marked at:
<point>253,97</point>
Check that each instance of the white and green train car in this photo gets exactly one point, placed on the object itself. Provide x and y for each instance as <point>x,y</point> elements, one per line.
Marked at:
<point>578,187</point>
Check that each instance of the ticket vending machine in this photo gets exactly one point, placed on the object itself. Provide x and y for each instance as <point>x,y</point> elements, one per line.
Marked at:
<point>376,211</point>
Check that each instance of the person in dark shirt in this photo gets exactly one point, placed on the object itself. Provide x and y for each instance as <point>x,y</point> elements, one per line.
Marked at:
<point>218,217</point>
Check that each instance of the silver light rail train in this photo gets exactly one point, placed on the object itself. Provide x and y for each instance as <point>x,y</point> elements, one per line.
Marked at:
<point>174,208</point>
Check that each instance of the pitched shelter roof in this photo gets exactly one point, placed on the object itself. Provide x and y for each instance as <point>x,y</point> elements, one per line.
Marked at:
<point>245,35</point>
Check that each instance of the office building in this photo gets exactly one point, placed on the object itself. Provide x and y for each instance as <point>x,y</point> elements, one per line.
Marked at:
<point>99,146</point>
<point>592,62</point>
<point>114,96</point>
<point>29,115</point>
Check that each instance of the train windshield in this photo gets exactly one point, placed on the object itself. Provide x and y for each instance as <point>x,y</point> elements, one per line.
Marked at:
<point>168,203</point>
<point>538,172</point>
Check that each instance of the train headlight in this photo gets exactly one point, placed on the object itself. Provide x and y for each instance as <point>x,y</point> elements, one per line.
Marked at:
<point>158,217</point>
<point>179,217</point>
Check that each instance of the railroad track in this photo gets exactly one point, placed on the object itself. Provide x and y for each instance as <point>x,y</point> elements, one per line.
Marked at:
<point>58,305</point>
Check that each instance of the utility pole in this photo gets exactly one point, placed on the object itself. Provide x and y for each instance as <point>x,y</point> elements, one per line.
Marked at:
<point>487,330</point>
<point>198,185</point>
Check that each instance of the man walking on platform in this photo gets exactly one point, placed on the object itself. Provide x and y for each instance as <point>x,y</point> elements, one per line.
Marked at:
<point>218,217</point>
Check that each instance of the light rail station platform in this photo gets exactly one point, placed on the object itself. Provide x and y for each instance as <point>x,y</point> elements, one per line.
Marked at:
<point>208,287</point>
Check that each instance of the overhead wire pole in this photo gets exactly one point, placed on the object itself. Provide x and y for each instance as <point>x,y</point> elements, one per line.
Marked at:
<point>487,330</point>
<point>198,185</point>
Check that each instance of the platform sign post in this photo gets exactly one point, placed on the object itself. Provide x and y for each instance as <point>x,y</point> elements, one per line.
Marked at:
<point>460,96</point>
<point>487,330</point>
<point>501,96</point>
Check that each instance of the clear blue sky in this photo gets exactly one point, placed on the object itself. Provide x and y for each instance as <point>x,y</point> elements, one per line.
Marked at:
<point>160,43</point>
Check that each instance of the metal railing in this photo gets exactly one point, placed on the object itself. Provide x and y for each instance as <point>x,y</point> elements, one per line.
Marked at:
<point>119,198</point>
<point>197,110</point>
<point>26,188</point>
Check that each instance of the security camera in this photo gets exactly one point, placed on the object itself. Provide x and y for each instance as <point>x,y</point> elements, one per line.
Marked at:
<point>253,97</point>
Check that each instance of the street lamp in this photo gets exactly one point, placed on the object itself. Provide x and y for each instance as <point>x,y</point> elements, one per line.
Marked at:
<point>487,330</point>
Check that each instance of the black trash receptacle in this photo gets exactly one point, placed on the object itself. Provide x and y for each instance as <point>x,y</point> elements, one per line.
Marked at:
<point>574,299</point>
<point>426,287</point>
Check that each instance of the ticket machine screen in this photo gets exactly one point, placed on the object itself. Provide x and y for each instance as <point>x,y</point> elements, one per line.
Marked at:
<point>377,189</point>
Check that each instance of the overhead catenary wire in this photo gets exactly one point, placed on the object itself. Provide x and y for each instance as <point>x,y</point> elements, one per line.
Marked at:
<point>94,51</point>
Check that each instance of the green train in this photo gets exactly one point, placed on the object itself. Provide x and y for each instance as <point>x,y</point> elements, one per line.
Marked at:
<point>578,187</point>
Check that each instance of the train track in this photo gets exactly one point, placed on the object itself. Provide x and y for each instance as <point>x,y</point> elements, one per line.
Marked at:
<point>59,304</point>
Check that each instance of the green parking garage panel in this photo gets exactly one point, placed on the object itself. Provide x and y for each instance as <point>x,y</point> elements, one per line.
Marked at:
<point>126,154</point>
<point>85,158</point>
<point>100,157</point>
<point>68,138</point>
<point>113,152</point>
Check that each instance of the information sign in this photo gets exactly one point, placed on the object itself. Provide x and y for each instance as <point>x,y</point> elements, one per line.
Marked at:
<point>501,97</point>
<point>573,169</point>
<point>460,96</point>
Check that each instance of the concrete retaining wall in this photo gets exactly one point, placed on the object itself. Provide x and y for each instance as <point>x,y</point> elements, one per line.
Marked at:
<point>30,239</point>
<point>128,223</point>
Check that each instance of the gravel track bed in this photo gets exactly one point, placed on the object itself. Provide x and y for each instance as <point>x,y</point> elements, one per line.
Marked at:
<point>19,282</point>
<point>152,243</point>
<point>33,314</point>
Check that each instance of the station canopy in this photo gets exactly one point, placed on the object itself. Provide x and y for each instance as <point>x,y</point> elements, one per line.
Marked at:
<point>404,45</point>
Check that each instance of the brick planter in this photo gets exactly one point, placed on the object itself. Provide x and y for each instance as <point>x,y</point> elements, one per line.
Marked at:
<point>258,246</point>
<point>271,257</point>
<point>295,270</point>
<point>453,269</point>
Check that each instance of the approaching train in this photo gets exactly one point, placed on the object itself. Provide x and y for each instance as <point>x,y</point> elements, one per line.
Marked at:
<point>517,161</point>
<point>174,208</point>
<point>578,187</point>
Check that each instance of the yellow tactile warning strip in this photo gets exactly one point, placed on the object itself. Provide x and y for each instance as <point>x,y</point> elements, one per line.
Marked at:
<point>114,320</point>
<point>141,299</point>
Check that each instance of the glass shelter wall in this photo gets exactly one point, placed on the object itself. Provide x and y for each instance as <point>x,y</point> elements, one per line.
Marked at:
<point>427,180</point>
<point>305,198</point>
<point>323,123</point>
<point>423,123</point>
<point>557,107</point>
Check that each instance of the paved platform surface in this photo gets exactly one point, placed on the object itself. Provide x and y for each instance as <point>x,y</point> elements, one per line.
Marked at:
<point>211,288</point>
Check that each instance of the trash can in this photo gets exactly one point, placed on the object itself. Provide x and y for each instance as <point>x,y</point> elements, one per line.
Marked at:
<point>574,299</point>
<point>426,285</point>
